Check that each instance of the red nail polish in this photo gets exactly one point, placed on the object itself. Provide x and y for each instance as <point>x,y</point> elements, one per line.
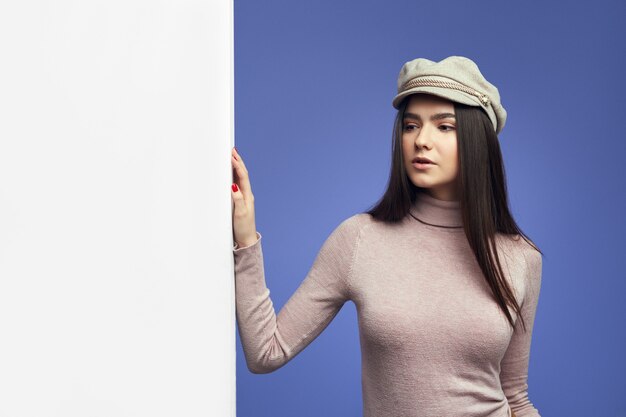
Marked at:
<point>234,187</point>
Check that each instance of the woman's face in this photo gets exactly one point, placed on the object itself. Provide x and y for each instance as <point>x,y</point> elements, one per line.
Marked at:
<point>429,131</point>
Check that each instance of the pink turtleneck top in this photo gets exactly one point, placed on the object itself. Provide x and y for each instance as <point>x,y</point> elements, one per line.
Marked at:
<point>433,340</point>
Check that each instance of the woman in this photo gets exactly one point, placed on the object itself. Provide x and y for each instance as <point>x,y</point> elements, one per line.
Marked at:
<point>445,283</point>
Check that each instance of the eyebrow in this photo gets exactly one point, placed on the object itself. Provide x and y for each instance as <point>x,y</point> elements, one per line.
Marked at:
<point>436,116</point>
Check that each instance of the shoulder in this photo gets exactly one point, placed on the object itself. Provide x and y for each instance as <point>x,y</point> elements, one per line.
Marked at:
<point>531,255</point>
<point>533,262</point>
<point>355,223</point>
<point>516,246</point>
<point>349,230</point>
<point>534,265</point>
<point>522,257</point>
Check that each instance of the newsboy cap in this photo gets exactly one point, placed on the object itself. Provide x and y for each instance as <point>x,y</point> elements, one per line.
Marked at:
<point>456,78</point>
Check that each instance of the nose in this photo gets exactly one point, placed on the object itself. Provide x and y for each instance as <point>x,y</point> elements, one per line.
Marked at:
<point>424,136</point>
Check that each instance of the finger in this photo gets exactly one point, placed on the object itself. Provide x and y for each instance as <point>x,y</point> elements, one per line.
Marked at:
<point>238,157</point>
<point>237,199</point>
<point>241,176</point>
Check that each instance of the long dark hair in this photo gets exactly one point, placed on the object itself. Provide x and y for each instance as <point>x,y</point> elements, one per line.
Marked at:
<point>482,193</point>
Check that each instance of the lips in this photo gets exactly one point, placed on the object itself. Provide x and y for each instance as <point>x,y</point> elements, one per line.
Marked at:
<point>422,160</point>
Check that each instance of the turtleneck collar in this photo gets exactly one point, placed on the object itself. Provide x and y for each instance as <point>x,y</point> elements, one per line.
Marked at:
<point>441,213</point>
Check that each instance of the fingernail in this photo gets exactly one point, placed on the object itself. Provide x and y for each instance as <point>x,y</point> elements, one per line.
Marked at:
<point>234,187</point>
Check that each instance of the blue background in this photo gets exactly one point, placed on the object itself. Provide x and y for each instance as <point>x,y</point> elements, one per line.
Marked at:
<point>313,89</point>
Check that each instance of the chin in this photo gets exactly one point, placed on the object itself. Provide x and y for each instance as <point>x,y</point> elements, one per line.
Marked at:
<point>422,182</point>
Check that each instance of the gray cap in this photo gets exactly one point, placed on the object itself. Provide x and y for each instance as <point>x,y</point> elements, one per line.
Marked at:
<point>456,78</point>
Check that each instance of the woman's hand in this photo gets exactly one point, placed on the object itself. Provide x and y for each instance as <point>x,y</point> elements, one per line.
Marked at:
<point>244,227</point>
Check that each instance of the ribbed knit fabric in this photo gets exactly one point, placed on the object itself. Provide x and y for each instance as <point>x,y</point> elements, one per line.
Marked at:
<point>434,343</point>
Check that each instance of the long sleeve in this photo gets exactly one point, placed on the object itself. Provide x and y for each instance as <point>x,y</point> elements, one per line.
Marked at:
<point>514,365</point>
<point>270,341</point>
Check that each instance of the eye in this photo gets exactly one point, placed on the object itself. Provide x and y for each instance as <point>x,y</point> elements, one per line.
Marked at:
<point>448,128</point>
<point>408,127</point>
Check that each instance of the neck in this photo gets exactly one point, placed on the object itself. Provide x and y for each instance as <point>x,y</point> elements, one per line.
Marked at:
<point>442,213</point>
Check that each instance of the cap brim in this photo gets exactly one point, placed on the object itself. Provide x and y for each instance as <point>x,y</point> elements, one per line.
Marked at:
<point>447,93</point>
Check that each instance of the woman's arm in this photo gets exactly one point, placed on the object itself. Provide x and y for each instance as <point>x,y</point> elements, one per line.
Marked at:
<point>270,341</point>
<point>514,365</point>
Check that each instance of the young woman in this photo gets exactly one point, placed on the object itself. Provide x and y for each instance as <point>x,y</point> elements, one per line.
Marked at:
<point>445,283</point>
